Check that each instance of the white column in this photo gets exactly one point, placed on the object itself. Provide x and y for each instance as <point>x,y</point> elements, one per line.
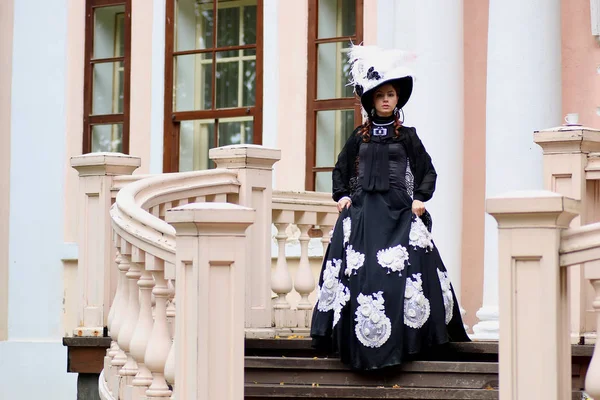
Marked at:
<point>523,94</point>
<point>433,29</point>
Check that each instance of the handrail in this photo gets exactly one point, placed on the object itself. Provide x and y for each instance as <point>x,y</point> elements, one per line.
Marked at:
<point>131,220</point>
<point>580,245</point>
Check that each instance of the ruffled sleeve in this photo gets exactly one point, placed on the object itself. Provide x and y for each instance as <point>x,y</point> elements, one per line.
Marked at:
<point>425,175</point>
<point>344,167</point>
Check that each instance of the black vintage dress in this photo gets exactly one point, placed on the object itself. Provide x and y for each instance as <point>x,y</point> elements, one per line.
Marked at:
<point>384,293</point>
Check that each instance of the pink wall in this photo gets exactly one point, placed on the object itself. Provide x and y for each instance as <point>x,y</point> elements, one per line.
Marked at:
<point>475,59</point>
<point>580,61</point>
<point>6,39</point>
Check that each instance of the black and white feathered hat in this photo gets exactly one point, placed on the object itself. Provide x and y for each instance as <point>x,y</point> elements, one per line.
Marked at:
<point>371,66</point>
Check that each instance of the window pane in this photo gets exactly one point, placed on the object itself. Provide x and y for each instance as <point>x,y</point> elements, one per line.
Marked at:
<point>195,138</point>
<point>236,131</point>
<point>193,25</point>
<point>107,91</point>
<point>323,182</point>
<point>236,22</point>
<point>193,80</point>
<point>332,71</point>
<point>107,138</point>
<point>249,28</point>
<point>236,73</point>
<point>337,18</point>
<point>109,40</point>
<point>333,129</point>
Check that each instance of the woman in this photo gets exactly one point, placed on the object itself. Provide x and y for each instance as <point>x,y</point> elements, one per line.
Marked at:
<point>384,293</point>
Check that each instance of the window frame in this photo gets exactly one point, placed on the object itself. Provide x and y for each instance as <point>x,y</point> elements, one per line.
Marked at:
<point>90,120</point>
<point>314,104</point>
<point>173,119</point>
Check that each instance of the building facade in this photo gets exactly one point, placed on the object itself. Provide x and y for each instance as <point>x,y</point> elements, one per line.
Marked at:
<point>165,80</point>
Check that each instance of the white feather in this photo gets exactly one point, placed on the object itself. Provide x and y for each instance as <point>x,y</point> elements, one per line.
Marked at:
<point>388,63</point>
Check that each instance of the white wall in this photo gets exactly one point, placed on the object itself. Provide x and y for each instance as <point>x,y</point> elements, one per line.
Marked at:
<point>33,361</point>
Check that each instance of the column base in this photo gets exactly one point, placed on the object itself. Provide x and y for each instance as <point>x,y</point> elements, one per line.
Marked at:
<point>488,327</point>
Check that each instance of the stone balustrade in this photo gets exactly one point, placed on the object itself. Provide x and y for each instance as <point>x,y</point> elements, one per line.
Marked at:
<point>314,215</point>
<point>572,168</point>
<point>184,261</point>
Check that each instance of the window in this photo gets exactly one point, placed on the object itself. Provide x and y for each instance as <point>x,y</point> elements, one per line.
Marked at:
<point>106,86</point>
<point>213,79</point>
<point>332,109</point>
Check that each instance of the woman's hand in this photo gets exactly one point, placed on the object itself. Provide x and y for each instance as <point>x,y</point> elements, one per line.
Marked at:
<point>344,202</point>
<point>418,207</point>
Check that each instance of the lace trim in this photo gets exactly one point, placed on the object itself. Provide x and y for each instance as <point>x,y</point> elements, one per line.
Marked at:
<point>333,295</point>
<point>373,328</point>
<point>419,236</point>
<point>354,260</point>
<point>347,226</point>
<point>416,305</point>
<point>410,180</point>
<point>393,258</point>
<point>446,294</point>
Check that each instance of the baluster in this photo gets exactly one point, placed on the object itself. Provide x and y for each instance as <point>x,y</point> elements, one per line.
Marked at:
<point>130,321</point>
<point>114,347</point>
<point>120,358</point>
<point>117,298</point>
<point>160,340</point>
<point>171,309</point>
<point>114,308</point>
<point>170,364</point>
<point>326,238</point>
<point>592,379</point>
<point>326,222</point>
<point>281,280</point>
<point>305,281</point>
<point>139,341</point>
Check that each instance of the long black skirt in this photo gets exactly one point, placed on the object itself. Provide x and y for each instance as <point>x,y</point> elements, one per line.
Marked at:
<point>384,293</point>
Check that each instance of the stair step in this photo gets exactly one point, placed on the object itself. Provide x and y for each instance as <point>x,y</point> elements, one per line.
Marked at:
<point>266,391</point>
<point>330,371</point>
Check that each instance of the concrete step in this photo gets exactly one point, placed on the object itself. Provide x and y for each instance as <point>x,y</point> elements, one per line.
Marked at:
<point>330,371</point>
<point>266,391</point>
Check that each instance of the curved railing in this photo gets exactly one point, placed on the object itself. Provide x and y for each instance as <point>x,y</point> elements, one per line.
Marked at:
<point>146,251</point>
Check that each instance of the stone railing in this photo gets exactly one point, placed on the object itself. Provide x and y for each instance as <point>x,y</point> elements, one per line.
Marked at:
<point>536,249</point>
<point>314,215</point>
<point>549,269</point>
<point>572,169</point>
<point>184,262</point>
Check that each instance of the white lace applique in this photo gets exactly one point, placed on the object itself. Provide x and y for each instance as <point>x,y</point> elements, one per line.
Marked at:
<point>416,305</point>
<point>410,179</point>
<point>333,295</point>
<point>347,229</point>
<point>354,260</point>
<point>419,236</point>
<point>394,258</point>
<point>446,294</point>
<point>373,328</point>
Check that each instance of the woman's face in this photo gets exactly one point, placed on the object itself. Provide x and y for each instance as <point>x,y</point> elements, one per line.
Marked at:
<point>385,100</point>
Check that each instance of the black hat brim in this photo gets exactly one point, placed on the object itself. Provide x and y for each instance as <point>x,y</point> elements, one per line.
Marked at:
<point>403,88</point>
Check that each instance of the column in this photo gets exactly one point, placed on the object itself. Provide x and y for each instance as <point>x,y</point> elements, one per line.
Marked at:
<point>210,286</point>
<point>523,94</point>
<point>255,172</point>
<point>433,30</point>
<point>96,270</point>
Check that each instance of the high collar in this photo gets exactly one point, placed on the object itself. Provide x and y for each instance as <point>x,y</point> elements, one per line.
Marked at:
<point>382,120</point>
